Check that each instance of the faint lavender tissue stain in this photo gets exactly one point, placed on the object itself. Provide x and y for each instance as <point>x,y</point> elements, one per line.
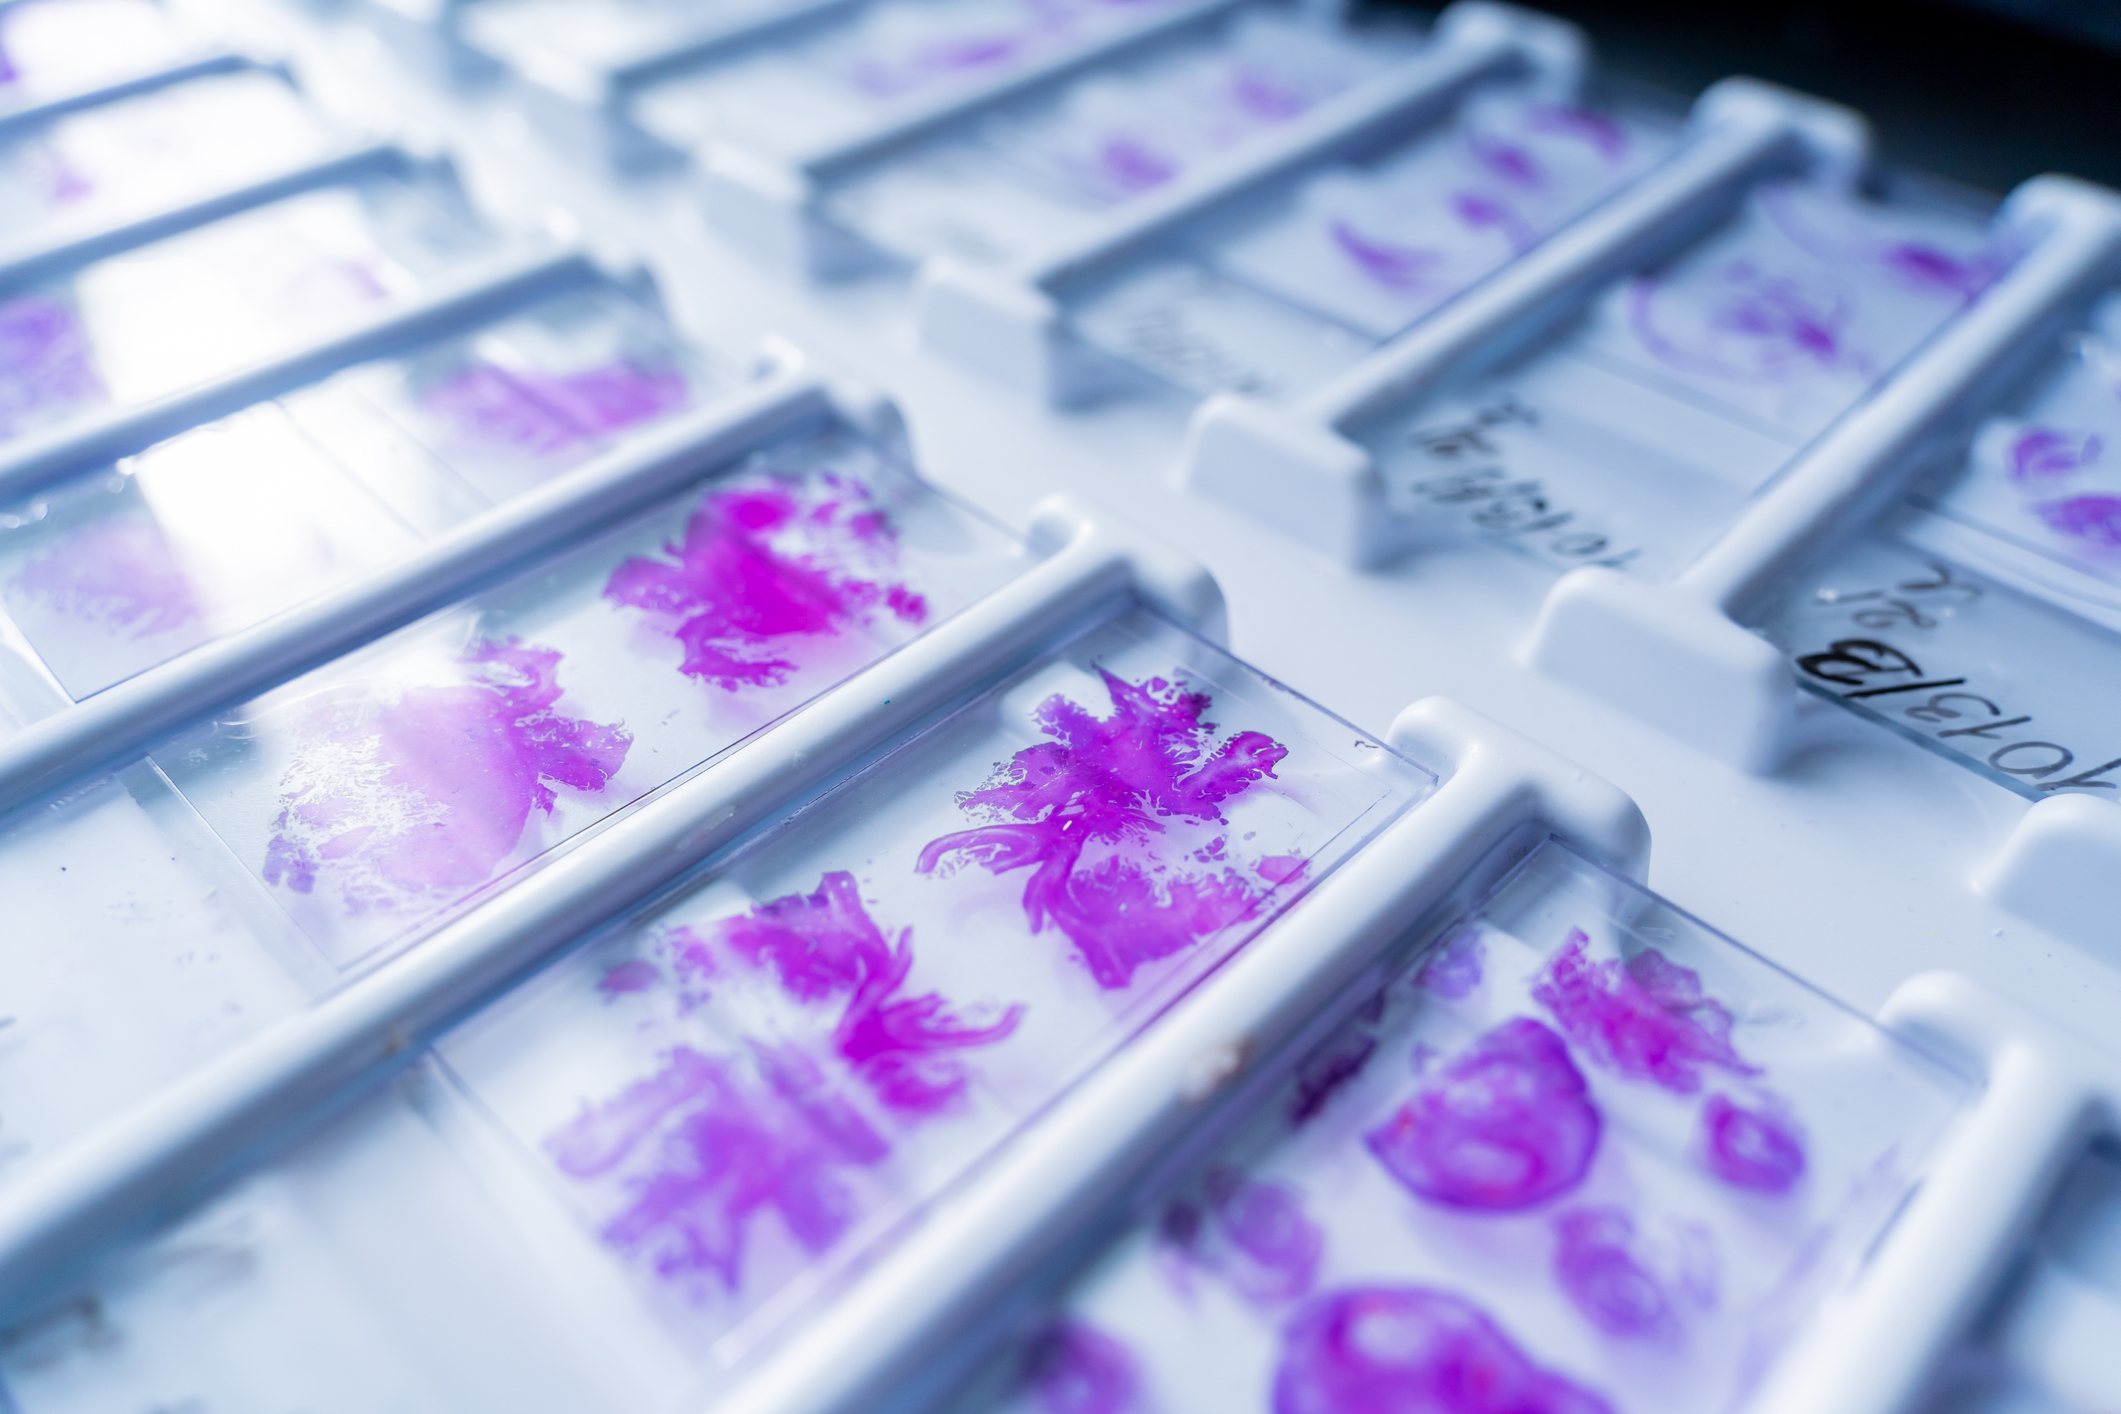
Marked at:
<point>431,790</point>
<point>543,413</point>
<point>1074,1368</point>
<point>47,364</point>
<point>118,571</point>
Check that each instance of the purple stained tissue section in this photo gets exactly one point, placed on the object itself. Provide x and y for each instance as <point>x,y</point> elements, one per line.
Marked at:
<point>116,571</point>
<point>2039,453</point>
<point>1454,971</point>
<point>824,946</point>
<point>1646,1019</point>
<point>763,564</point>
<point>2094,520</point>
<point>46,362</point>
<point>1504,1125</point>
<point>1597,1267</point>
<point>702,1148</point>
<point>1413,1350</point>
<point>706,1144</point>
<point>1757,1149</point>
<point>1255,1234</point>
<point>1077,1369</point>
<point>433,790</point>
<point>1100,790</point>
<point>1393,265</point>
<point>541,413</point>
<point>1757,324</point>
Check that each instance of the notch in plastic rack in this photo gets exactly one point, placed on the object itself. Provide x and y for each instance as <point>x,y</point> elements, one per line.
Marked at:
<point>1672,652</point>
<point>1577,1140</point>
<point>1010,322</point>
<point>1297,467</point>
<point>915,1319</point>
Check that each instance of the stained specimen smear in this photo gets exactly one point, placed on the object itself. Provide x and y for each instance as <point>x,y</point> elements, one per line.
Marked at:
<point>824,946</point>
<point>1254,1234</point>
<point>1454,972</point>
<point>1412,1350</point>
<point>705,1149</point>
<point>542,413</point>
<point>1751,1148</point>
<point>1082,810</point>
<point>1505,1125</point>
<point>429,792</point>
<point>2094,520</point>
<point>46,363</point>
<point>1597,1268</point>
<point>1077,1369</point>
<point>763,564</point>
<point>117,571</point>
<point>1646,1019</point>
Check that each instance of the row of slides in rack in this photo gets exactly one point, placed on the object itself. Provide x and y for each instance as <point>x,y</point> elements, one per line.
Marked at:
<point>919,901</point>
<point>1774,435</point>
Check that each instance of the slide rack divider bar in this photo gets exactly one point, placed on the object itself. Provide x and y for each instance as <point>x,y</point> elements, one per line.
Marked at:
<point>37,262</point>
<point>1429,80</point>
<point>1709,174</point>
<point>123,720</point>
<point>226,62</point>
<point>829,162</point>
<point>917,1317</point>
<point>38,460</point>
<point>143,1166</point>
<point>2078,253</point>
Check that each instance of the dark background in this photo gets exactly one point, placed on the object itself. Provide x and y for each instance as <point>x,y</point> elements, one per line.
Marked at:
<point>1985,92</point>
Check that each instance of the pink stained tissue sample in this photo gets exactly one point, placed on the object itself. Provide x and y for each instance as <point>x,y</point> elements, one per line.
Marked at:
<point>1646,1018</point>
<point>709,1143</point>
<point>1453,972</point>
<point>1083,810</point>
<point>1597,1268</point>
<point>1077,1369</point>
<point>1412,1350</point>
<point>705,1146</point>
<point>2041,454</point>
<point>1506,1124</point>
<point>1755,1148</point>
<point>47,366</point>
<point>427,793</point>
<point>119,572</point>
<point>544,413</point>
<point>2091,520</point>
<point>824,946</point>
<point>764,564</point>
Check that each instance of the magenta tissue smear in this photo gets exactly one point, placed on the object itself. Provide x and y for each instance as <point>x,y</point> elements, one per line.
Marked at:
<point>731,589</point>
<point>1751,1148</point>
<point>1646,1019</point>
<point>1597,1269</point>
<point>1077,1369</point>
<point>1412,1350</point>
<point>1110,783</point>
<point>1505,1125</point>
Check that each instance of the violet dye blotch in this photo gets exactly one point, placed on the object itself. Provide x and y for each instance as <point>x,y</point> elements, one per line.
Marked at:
<point>1506,1124</point>
<point>701,1150</point>
<point>1598,1270</point>
<point>1453,971</point>
<point>823,947</point>
<point>542,413</point>
<point>1646,1019</point>
<point>118,572</point>
<point>1254,1234</point>
<point>2045,453</point>
<point>47,364</point>
<point>766,562</point>
<point>431,790</point>
<point>1758,324</point>
<point>2092,520</point>
<point>1756,1149</point>
<point>1110,783</point>
<point>1395,266</point>
<point>1077,1369</point>
<point>1412,1350</point>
